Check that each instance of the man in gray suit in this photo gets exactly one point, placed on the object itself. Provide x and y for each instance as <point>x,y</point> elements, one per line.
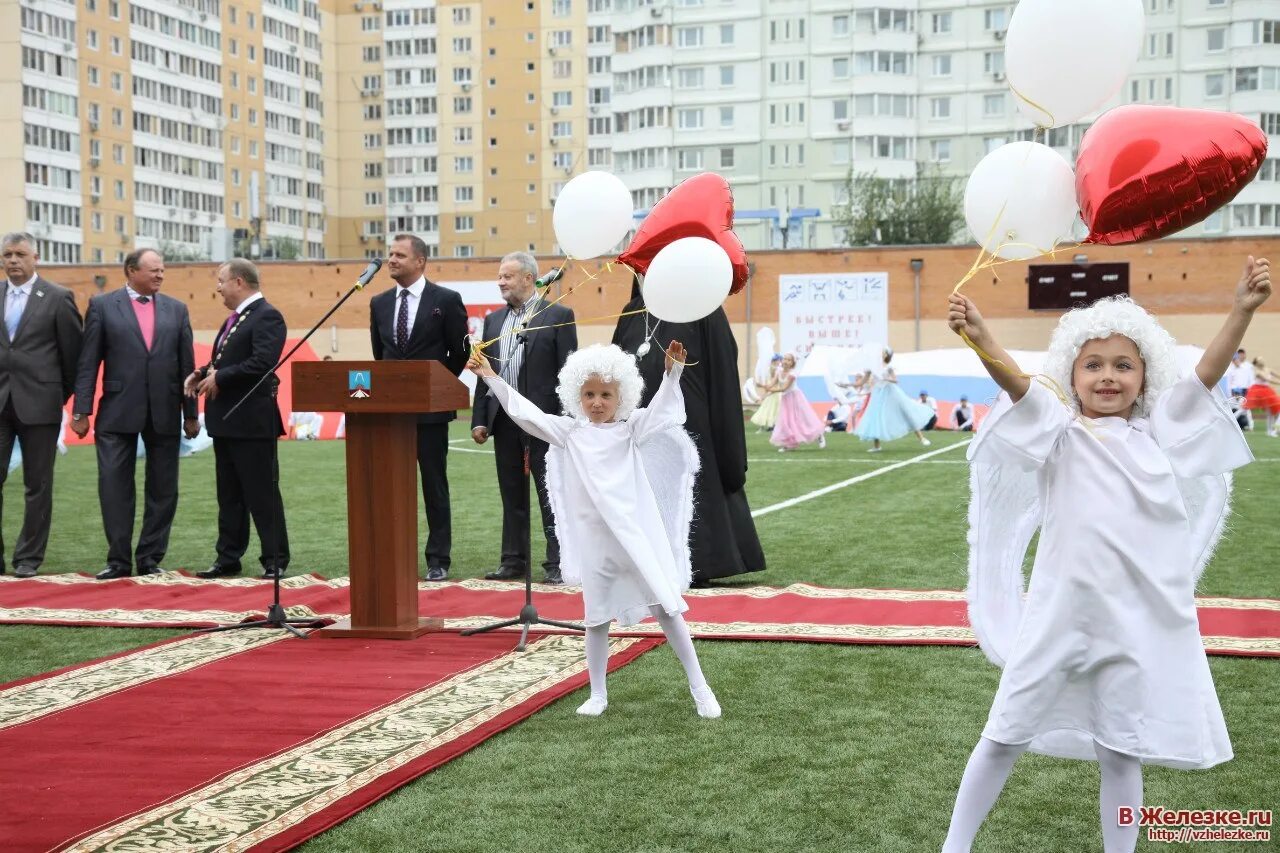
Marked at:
<point>142,340</point>
<point>39,346</point>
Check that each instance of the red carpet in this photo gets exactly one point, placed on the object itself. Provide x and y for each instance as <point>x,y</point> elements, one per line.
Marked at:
<point>797,613</point>
<point>252,740</point>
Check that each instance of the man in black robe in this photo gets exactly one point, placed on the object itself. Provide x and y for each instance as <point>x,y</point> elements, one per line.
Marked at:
<point>723,540</point>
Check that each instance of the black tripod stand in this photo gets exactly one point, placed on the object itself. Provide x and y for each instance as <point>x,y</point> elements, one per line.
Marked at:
<point>276,616</point>
<point>528,616</point>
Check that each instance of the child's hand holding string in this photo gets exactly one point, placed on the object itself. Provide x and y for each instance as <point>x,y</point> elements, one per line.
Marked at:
<point>964,319</point>
<point>479,365</point>
<point>675,354</point>
<point>1254,287</point>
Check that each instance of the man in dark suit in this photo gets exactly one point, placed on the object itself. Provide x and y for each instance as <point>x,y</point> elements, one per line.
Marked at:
<point>530,362</point>
<point>417,320</point>
<point>144,340</point>
<point>247,346</point>
<point>39,347</point>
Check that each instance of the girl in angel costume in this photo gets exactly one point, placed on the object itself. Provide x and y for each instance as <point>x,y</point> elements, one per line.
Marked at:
<point>1124,467</point>
<point>620,483</point>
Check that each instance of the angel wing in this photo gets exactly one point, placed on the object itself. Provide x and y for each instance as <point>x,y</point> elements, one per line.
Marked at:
<point>1208,502</point>
<point>671,464</point>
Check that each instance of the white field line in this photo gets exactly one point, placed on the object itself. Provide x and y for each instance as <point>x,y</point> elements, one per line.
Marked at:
<point>835,487</point>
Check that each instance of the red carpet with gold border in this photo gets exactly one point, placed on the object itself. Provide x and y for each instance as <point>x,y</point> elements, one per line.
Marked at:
<point>1230,626</point>
<point>254,740</point>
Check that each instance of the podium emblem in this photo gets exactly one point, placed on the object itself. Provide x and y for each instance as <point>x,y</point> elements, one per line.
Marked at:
<point>358,382</point>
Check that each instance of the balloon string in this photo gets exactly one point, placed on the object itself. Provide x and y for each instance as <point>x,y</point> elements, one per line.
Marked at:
<point>1035,106</point>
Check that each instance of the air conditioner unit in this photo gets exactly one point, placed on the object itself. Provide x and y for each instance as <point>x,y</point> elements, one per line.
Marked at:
<point>843,124</point>
<point>124,238</point>
<point>204,16</point>
<point>555,111</point>
<point>93,126</point>
<point>999,34</point>
<point>95,197</point>
<point>68,46</point>
<point>359,6</point>
<point>594,108</point>
<point>655,12</point>
<point>466,87</point>
<point>377,5</point>
<point>94,161</point>
<point>192,214</point>
<point>568,170</point>
<point>173,211</point>
<point>364,238</point>
<point>554,142</point>
<point>551,50</point>
<point>998,76</point>
<point>293,49</point>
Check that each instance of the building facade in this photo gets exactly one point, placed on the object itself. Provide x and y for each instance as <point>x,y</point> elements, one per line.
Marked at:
<point>302,129</point>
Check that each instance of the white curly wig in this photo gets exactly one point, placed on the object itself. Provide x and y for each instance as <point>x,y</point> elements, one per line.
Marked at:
<point>609,363</point>
<point>1114,315</point>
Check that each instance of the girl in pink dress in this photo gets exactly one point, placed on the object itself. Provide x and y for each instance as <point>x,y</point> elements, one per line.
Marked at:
<point>797,423</point>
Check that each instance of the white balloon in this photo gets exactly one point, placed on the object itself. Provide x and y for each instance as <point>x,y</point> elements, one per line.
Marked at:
<point>592,214</point>
<point>1066,58</point>
<point>687,280</point>
<point>1021,200</point>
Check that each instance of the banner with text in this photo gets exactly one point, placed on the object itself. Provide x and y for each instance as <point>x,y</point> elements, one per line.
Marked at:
<point>832,309</point>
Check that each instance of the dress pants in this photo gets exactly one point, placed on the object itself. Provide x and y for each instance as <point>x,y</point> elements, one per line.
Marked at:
<point>433,451</point>
<point>246,487</point>
<point>39,449</point>
<point>117,462</point>
<point>509,443</point>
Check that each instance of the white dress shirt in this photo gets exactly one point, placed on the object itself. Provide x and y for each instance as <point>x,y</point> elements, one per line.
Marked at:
<point>414,298</point>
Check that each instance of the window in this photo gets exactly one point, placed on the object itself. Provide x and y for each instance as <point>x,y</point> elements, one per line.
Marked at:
<point>1217,38</point>
<point>562,98</point>
<point>372,141</point>
<point>688,159</point>
<point>840,68</point>
<point>117,46</point>
<point>93,75</point>
<point>1246,79</point>
<point>462,14</point>
<point>1270,123</point>
<point>726,116</point>
<point>464,223</point>
<point>993,105</point>
<point>689,119</point>
<point>993,62</point>
<point>940,150</point>
<point>462,104</point>
<point>1160,44</point>
<point>942,65</point>
<point>561,129</point>
<point>940,108</point>
<point>464,194</point>
<point>462,135</point>
<point>562,68</point>
<point>371,199</point>
<point>995,19</point>
<point>370,23</point>
<point>840,151</point>
<point>942,22</point>
<point>463,165</point>
<point>91,39</point>
<point>1266,32</point>
<point>839,25</point>
<point>726,158</point>
<point>1244,216</point>
<point>689,78</point>
<point>689,37</point>
<point>840,109</point>
<point>371,170</point>
<point>464,251</point>
<point>726,33</point>
<point>1215,85</point>
<point>726,75</point>
<point>372,53</point>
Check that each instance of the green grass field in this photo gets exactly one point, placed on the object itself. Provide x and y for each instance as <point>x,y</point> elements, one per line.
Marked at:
<point>822,747</point>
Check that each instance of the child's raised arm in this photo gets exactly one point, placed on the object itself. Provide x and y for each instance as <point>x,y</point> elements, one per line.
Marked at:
<point>964,319</point>
<point>667,406</point>
<point>1253,289</point>
<point>529,417</point>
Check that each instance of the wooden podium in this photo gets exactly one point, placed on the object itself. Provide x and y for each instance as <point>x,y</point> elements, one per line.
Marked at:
<point>382,401</point>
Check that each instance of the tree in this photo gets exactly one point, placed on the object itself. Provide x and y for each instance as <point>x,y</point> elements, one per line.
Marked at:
<point>180,253</point>
<point>897,212</point>
<point>284,249</point>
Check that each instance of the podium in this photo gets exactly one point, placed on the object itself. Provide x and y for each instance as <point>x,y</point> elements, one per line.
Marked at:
<point>382,401</point>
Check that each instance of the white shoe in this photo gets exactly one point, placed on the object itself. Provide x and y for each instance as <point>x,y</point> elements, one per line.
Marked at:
<point>708,707</point>
<point>874,449</point>
<point>782,450</point>
<point>822,441</point>
<point>1274,434</point>
<point>593,707</point>
<point>924,442</point>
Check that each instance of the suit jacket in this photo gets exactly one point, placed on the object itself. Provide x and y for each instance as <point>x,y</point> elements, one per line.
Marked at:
<point>438,334</point>
<point>247,353</point>
<point>139,386</point>
<point>38,367</point>
<point>545,351</point>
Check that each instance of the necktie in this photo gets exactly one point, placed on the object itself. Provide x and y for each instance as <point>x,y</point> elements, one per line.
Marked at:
<point>144,299</point>
<point>12,316</point>
<point>402,319</point>
<point>226,327</point>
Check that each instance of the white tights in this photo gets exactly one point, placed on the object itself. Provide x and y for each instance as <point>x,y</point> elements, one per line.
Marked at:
<point>989,768</point>
<point>677,636</point>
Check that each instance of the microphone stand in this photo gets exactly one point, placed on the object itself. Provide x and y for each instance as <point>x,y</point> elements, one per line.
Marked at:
<point>276,616</point>
<point>528,616</point>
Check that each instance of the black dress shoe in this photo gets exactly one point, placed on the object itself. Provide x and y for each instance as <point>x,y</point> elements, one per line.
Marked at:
<point>110,573</point>
<point>216,571</point>
<point>506,573</point>
<point>150,570</point>
<point>437,573</point>
<point>271,573</point>
<point>24,572</point>
<point>553,577</point>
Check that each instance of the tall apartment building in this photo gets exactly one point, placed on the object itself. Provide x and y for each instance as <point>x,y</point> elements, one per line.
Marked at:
<point>316,128</point>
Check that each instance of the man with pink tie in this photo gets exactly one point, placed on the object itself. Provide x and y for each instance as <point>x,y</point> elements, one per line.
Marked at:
<point>142,340</point>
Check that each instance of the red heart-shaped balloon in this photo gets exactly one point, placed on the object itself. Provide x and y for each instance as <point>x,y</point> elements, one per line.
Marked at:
<point>701,206</point>
<point>1146,172</point>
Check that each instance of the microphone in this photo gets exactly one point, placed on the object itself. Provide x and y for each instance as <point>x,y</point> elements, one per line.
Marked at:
<point>553,276</point>
<point>369,272</point>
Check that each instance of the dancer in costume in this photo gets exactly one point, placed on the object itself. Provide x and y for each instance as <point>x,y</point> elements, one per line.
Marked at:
<point>620,482</point>
<point>1262,394</point>
<point>797,422</point>
<point>1124,467</point>
<point>890,413</point>
<point>766,415</point>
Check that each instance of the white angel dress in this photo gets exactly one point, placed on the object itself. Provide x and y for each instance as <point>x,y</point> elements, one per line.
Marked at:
<point>1106,646</point>
<point>622,497</point>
